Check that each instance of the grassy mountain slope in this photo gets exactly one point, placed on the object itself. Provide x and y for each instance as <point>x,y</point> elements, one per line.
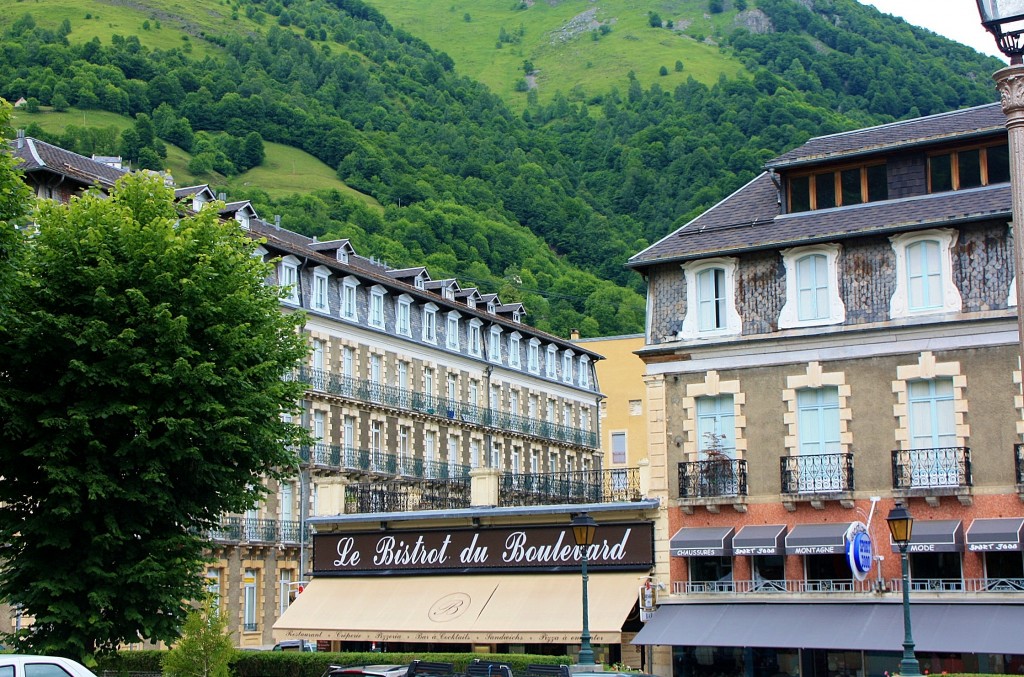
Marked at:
<point>565,42</point>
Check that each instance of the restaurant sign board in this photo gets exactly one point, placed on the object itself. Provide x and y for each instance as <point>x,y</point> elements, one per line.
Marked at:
<point>621,546</point>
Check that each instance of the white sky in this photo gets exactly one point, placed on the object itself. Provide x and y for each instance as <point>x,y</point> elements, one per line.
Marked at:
<point>955,19</point>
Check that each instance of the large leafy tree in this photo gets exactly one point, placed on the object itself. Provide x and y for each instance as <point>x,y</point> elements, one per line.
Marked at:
<point>14,196</point>
<point>141,395</point>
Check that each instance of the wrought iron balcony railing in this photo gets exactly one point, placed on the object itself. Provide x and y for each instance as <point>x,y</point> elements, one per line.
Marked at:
<point>335,457</point>
<point>377,393</point>
<point>938,468</point>
<point>711,478</point>
<point>376,497</point>
<point>772,586</point>
<point>560,488</point>
<point>817,474</point>
<point>1018,462</point>
<point>240,529</point>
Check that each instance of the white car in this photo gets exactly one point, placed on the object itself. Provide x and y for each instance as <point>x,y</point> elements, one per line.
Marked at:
<point>20,665</point>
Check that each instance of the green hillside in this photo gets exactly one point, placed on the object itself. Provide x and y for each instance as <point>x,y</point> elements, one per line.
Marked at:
<point>567,44</point>
<point>540,195</point>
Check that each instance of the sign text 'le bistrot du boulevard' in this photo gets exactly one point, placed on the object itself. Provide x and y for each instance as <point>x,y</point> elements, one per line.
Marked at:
<point>539,548</point>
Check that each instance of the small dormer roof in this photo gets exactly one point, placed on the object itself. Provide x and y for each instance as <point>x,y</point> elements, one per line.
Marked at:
<point>201,191</point>
<point>333,246</point>
<point>244,206</point>
<point>409,273</point>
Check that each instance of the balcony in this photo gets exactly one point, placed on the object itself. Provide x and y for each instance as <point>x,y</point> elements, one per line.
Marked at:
<point>337,458</point>
<point>772,587</point>
<point>815,478</point>
<point>243,529</point>
<point>713,482</point>
<point>363,390</point>
<point>932,473</point>
<point>562,488</point>
<point>379,497</point>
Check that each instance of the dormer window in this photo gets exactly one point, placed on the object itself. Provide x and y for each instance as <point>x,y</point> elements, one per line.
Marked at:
<point>430,323</point>
<point>491,307</point>
<point>377,306</point>
<point>288,279</point>
<point>924,274</point>
<point>494,344</point>
<point>321,275</point>
<point>419,282</point>
<point>533,356</point>
<point>584,379</point>
<point>471,302</point>
<point>838,188</point>
<point>403,315</point>
<point>517,316</point>
<point>449,292</point>
<point>476,343</point>
<point>513,349</point>
<point>968,168</point>
<point>452,331</point>
<point>348,298</point>
<point>710,298</point>
<point>342,254</point>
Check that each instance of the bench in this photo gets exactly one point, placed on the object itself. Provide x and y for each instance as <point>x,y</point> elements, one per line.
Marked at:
<point>479,668</point>
<point>535,670</point>
<point>417,668</point>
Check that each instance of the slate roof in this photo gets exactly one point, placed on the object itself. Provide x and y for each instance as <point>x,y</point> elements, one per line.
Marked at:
<point>39,156</point>
<point>751,218</point>
<point>980,120</point>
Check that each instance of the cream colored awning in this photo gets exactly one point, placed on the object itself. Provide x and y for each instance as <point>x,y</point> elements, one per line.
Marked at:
<point>496,608</point>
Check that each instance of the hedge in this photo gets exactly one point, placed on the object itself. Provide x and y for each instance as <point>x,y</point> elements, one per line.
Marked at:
<point>313,664</point>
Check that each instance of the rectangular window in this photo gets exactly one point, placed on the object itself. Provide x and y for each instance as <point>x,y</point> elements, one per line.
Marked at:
<point>800,194</point>
<point>711,299</point>
<point>968,168</point>
<point>452,389</point>
<point>825,191</point>
<point>348,300</point>
<point>818,420</point>
<point>550,363</point>
<point>249,601</point>
<point>495,398</point>
<point>567,367</point>
<point>290,282</point>
<point>474,454</point>
<point>932,418</point>
<point>716,429</point>
<point>452,333</point>
<point>284,589</point>
<point>924,275</point>
<point>376,437</point>
<point>428,381</point>
<point>430,325</point>
<point>318,354</point>
<point>619,448</point>
<point>320,292</point>
<point>430,446</point>
<point>348,361</point>
<point>533,356</point>
<point>812,287</point>
<point>375,368</point>
<point>377,309</point>
<point>287,501</point>
<point>494,347</point>
<point>513,402</point>
<point>453,450</point>
<point>551,411</point>
<point>318,425</point>
<point>513,351</point>
<point>349,432</point>
<point>475,342</point>
<point>402,318</point>
<point>838,188</point>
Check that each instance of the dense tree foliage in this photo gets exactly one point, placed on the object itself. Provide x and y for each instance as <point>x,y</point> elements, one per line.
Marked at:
<point>140,400</point>
<point>595,176</point>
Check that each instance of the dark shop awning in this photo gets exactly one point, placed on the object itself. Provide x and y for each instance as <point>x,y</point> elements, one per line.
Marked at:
<point>702,542</point>
<point>760,540</point>
<point>935,536</point>
<point>994,534</point>
<point>817,539</point>
<point>870,626</point>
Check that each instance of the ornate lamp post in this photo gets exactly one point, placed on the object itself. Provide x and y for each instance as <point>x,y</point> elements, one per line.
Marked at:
<point>901,525</point>
<point>583,528</point>
<point>1005,20</point>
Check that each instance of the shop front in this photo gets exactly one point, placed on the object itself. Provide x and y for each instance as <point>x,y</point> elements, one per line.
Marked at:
<point>466,581</point>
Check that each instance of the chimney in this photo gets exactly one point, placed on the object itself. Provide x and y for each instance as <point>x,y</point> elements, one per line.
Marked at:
<point>574,334</point>
<point>21,138</point>
<point>223,197</point>
<point>277,221</point>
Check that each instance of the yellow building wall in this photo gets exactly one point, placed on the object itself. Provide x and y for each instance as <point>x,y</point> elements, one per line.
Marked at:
<point>620,377</point>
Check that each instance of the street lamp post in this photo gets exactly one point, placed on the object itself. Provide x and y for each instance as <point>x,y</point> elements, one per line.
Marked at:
<point>1005,20</point>
<point>901,525</point>
<point>583,528</point>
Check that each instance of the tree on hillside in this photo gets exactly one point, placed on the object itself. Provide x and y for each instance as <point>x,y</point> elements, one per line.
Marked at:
<point>141,398</point>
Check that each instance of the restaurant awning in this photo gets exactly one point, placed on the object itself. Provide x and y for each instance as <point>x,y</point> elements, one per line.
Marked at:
<point>817,539</point>
<point>877,626</point>
<point>1000,533</point>
<point>760,540</point>
<point>934,536</point>
<point>702,542</point>
<point>505,608</point>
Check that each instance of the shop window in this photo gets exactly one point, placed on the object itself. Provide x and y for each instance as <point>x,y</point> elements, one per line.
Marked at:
<point>935,571</point>
<point>827,572</point>
<point>711,573</point>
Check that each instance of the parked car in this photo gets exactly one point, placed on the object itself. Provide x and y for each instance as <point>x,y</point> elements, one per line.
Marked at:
<point>20,665</point>
<point>366,671</point>
<point>291,645</point>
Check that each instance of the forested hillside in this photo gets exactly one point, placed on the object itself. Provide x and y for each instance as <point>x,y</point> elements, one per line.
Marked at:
<point>541,201</point>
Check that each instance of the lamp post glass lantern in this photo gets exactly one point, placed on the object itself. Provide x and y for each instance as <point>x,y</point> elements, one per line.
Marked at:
<point>583,528</point>
<point>901,526</point>
<point>1005,20</point>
